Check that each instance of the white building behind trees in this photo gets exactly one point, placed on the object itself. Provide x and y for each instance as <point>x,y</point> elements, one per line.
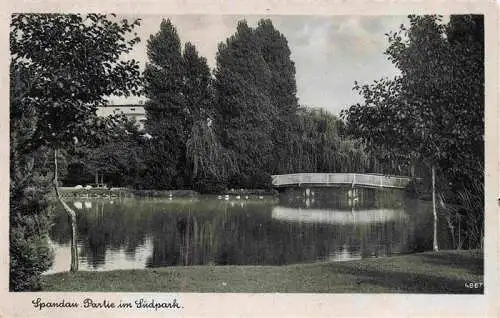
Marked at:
<point>132,111</point>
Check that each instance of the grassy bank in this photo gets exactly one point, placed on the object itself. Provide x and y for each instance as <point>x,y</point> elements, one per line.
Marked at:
<point>430,272</point>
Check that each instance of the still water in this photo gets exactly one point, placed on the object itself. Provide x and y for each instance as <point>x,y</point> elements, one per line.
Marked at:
<point>334,224</point>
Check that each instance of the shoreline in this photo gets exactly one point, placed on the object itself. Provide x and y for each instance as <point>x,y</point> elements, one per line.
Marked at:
<point>69,192</point>
<point>446,271</point>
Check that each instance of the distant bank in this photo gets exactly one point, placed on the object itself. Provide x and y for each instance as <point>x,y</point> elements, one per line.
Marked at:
<point>74,192</point>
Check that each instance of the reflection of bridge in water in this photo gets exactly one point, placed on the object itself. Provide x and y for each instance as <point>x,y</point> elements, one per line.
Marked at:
<point>331,216</point>
<point>336,179</point>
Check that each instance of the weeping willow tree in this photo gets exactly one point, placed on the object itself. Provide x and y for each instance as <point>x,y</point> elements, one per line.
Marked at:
<point>210,164</point>
<point>318,145</point>
<point>351,156</point>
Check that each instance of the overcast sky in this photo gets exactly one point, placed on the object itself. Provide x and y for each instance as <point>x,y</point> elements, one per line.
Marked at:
<point>330,52</point>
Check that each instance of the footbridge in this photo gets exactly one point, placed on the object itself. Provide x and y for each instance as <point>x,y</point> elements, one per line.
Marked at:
<point>338,179</point>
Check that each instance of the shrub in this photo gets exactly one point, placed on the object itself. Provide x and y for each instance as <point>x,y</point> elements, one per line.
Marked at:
<point>30,254</point>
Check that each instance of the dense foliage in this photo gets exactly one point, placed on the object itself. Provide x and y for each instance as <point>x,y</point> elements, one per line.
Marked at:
<point>183,150</point>
<point>230,129</point>
<point>434,111</point>
<point>62,68</point>
<point>235,128</point>
<point>166,107</point>
<point>118,161</point>
<point>245,111</point>
<point>321,147</point>
<point>29,211</point>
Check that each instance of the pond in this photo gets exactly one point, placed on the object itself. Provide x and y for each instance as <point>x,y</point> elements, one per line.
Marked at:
<point>334,224</point>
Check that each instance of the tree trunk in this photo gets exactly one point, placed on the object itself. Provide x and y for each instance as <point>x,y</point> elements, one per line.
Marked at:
<point>186,262</point>
<point>434,212</point>
<point>72,219</point>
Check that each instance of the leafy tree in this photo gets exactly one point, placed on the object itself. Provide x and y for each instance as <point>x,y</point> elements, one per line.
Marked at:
<point>282,90</point>
<point>180,110</point>
<point>30,254</point>
<point>197,88</point>
<point>258,117</point>
<point>244,109</point>
<point>166,107</point>
<point>117,162</point>
<point>68,64</point>
<point>208,164</point>
<point>320,147</point>
<point>211,164</point>
<point>433,112</point>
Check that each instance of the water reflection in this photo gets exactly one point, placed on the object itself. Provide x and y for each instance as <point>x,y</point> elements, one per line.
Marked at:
<point>301,226</point>
<point>337,216</point>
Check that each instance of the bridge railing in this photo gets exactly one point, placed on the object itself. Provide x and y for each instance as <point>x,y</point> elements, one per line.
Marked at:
<point>374,180</point>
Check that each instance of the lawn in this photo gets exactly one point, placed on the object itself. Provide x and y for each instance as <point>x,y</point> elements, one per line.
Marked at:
<point>429,272</point>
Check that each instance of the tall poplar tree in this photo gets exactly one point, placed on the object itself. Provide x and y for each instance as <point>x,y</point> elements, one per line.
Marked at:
<point>244,108</point>
<point>281,91</point>
<point>165,108</point>
<point>277,55</point>
<point>197,86</point>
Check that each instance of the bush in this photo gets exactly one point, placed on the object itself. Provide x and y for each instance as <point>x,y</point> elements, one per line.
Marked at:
<point>209,185</point>
<point>30,254</point>
<point>418,189</point>
<point>256,179</point>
